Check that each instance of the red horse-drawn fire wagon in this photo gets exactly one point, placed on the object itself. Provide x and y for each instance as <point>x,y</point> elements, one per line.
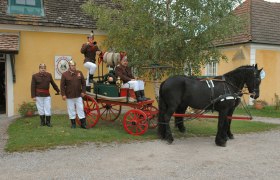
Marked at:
<point>107,99</point>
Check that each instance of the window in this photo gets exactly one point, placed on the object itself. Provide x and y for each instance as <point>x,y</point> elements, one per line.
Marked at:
<point>27,7</point>
<point>211,69</point>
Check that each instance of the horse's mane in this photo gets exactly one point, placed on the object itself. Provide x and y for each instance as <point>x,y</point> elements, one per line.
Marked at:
<point>237,70</point>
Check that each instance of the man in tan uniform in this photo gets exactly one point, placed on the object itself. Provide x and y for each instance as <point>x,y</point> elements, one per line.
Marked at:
<point>73,88</point>
<point>40,85</point>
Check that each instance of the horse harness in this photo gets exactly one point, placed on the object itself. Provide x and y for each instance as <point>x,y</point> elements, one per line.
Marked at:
<point>228,94</point>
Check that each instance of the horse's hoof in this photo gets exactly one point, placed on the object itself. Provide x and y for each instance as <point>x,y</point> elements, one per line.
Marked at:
<point>170,141</point>
<point>222,144</point>
<point>231,136</point>
<point>182,130</point>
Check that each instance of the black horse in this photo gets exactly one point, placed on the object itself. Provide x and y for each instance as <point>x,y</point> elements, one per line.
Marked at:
<point>221,94</point>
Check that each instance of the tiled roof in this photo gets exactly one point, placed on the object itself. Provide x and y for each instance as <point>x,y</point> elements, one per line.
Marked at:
<point>58,13</point>
<point>263,24</point>
<point>9,42</point>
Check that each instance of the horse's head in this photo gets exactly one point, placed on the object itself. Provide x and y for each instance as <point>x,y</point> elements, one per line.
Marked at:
<point>253,81</point>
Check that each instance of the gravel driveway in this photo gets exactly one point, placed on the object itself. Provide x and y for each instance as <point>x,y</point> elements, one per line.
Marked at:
<point>248,156</point>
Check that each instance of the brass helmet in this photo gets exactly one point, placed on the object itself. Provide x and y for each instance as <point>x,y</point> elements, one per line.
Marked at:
<point>72,62</point>
<point>91,35</point>
<point>42,65</point>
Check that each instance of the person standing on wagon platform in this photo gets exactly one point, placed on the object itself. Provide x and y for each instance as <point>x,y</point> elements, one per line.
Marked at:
<point>90,49</point>
<point>40,93</point>
<point>73,88</point>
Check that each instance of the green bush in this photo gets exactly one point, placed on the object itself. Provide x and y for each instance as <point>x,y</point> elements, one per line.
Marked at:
<point>27,109</point>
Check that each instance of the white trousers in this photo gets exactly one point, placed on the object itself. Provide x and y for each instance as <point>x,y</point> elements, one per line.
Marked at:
<point>73,105</point>
<point>43,105</point>
<point>91,70</point>
<point>135,85</point>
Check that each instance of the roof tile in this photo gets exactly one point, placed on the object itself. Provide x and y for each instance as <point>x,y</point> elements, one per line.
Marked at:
<point>62,13</point>
<point>263,25</point>
<point>9,42</point>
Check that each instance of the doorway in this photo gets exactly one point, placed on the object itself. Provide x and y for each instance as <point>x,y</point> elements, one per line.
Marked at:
<point>2,87</point>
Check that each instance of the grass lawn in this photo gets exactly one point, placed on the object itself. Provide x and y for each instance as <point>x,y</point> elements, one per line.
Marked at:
<point>26,134</point>
<point>267,111</point>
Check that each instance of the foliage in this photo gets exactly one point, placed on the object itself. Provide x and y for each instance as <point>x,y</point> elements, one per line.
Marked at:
<point>169,32</point>
<point>276,101</point>
<point>26,107</point>
<point>26,134</point>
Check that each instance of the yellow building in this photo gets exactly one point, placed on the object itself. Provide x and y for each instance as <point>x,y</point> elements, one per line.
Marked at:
<point>42,31</point>
<point>258,44</point>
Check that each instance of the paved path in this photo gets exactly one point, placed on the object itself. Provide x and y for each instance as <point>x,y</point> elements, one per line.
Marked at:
<point>248,156</point>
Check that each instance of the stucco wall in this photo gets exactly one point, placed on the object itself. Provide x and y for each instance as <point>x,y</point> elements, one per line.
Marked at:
<point>270,61</point>
<point>267,59</point>
<point>42,47</point>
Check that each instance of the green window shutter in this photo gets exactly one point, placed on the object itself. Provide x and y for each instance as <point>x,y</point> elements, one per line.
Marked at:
<point>26,9</point>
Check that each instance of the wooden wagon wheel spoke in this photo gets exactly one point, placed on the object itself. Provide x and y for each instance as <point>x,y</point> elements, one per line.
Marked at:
<point>135,122</point>
<point>110,112</point>
<point>152,115</point>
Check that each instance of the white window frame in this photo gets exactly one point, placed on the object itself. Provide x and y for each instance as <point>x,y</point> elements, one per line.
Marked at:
<point>211,69</point>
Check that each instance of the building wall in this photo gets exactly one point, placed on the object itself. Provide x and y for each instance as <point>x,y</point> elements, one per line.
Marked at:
<point>270,61</point>
<point>267,58</point>
<point>42,47</point>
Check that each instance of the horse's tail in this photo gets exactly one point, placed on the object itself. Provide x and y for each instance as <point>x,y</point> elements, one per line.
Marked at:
<point>162,108</point>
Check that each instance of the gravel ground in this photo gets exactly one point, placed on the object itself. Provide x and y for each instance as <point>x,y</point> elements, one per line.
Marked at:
<point>248,156</point>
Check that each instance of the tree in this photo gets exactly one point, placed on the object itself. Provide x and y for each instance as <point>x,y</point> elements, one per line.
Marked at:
<point>180,33</point>
<point>174,32</point>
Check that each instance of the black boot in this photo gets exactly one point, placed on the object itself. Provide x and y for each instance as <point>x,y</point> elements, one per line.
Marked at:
<point>83,123</point>
<point>90,78</point>
<point>43,123</point>
<point>48,121</point>
<point>138,96</point>
<point>73,123</point>
<point>142,93</point>
<point>88,88</point>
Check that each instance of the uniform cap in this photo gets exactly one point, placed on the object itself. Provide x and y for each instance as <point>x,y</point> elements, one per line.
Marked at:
<point>91,35</point>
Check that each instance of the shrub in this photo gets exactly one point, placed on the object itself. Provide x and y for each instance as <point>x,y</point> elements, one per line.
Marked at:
<point>27,109</point>
<point>277,102</point>
<point>259,104</point>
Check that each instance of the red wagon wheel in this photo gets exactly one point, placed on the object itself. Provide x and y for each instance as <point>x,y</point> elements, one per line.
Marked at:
<point>110,112</point>
<point>92,111</point>
<point>152,115</point>
<point>135,122</point>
